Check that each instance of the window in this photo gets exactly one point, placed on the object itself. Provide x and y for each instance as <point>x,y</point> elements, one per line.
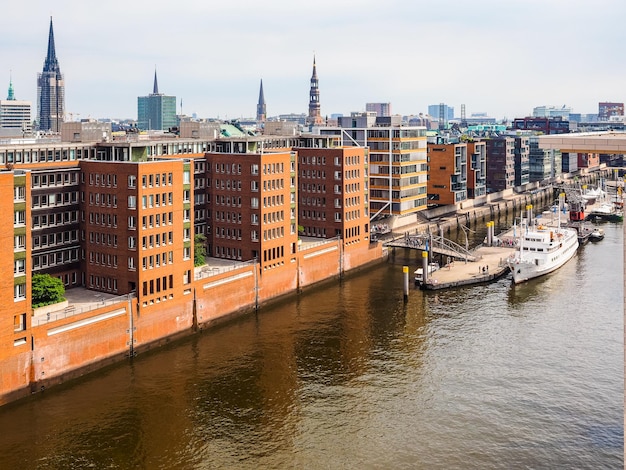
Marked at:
<point>132,202</point>
<point>132,242</point>
<point>132,181</point>
<point>19,292</point>
<point>20,217</point>
<point>19,322</point>
<point>19,267</point>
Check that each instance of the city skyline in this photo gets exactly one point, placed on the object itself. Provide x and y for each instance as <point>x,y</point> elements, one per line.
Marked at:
<point>501,59</point>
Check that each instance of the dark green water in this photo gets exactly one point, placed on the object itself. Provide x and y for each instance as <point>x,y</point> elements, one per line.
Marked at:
<point>349,376</point>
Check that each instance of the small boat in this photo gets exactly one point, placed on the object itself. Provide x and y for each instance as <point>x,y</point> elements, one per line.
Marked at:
<point>596,235</point>
<point>419,272</point>
<point>606,211</point>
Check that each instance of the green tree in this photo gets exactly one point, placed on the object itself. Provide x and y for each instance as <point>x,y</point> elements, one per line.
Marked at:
<point>199,249</point>
<point>47,290</point>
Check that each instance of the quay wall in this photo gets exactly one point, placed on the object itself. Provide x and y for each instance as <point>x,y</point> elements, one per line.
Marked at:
<point>54,351</point>
<point>60,349</point>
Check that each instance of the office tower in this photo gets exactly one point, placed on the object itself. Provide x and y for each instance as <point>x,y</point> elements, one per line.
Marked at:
<point>314,118</point>
<point>14,116</point>
<point>50,91</point>
<point>261,111</point>
<point>156,111</point>
<point>381,109</point>
<point>441,111</point>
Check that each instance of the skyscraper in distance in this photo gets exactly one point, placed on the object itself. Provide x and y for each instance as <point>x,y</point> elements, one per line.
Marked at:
<point>156,111</point>
<point>50,91</point>
<point>261,111</point>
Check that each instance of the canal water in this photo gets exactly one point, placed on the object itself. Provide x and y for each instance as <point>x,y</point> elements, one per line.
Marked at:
<point>350,376</point>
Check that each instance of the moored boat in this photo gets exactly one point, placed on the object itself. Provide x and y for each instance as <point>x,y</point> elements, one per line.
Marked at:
<point>419,272</point>
<point>596,235</point>
<point>541,249</point>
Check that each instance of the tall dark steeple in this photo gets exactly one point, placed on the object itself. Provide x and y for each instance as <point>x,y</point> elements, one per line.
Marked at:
<point>155,88</point>
<point>50,91</point>
<point>261,112</point>
<point>315,117</point>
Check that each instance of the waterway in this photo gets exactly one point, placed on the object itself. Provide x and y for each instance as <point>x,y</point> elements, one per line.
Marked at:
<point>350,376</point>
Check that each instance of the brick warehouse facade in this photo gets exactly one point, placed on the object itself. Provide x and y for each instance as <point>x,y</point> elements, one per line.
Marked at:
<point>126,216</point>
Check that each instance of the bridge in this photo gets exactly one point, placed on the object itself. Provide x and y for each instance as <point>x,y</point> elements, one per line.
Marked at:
<point>433,243</point>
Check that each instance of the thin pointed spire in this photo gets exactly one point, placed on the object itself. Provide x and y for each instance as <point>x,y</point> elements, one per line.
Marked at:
<point>155,88</point>
<point>261,96</point>
<point>260,107</point>
<point>51,64</point>
<point>314,68</point>
<point>11,96</point>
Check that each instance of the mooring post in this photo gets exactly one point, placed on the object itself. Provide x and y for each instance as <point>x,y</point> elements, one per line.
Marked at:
<point>405,273</point>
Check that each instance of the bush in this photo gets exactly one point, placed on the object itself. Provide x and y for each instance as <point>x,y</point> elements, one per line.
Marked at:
<point>199,250</point>
<point>46,290</point>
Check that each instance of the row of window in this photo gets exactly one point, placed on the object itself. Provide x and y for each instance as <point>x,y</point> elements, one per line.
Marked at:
<point>54,179</point>
<point>101,179</point>
<point>55,259</point>
<point>103,238</point>
<point>103,283</point>
<point>104,259</point>
<point>158,239</point>
<point>273,233</point>
<point>227,252</point>
<point>54,239</point>
<point>56,199</point>
<point>50,220</point>
<point>102,218</point>
<point>319,174</point>
<point>155,286</point>
<point>158,260</point>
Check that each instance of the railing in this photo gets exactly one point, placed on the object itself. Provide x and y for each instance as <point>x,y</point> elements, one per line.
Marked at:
<point>72,309</point>
<point>208,271</point>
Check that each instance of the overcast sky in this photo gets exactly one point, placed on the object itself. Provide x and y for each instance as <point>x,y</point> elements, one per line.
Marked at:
<point>501,57</point>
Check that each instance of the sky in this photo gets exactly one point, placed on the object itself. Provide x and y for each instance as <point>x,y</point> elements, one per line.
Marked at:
<point>500,57</point>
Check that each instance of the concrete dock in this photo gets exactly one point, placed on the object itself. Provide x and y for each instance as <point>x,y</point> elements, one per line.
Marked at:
<point>461,273</point>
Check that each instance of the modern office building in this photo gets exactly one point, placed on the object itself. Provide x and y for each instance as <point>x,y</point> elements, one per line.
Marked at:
<point>500,163</point>
<point>545,125</point>
<point>314,117</point>
<point>398,167</point>
<point>442,112</point>
<point>552,112</point>
<point>15,120</point>
<point>543,163</point>
<point>477,169</point>
<point>447,172</point>
<point>156,111</point>
<point>381,109</point>
<point>50,91</point>
<point>522,160</point>
<point>607,109</point>
<point>261,109</point>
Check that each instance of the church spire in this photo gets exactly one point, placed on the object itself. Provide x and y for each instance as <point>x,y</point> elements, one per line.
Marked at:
<point>11,96</point>
<point>315,117</point>
<point>51,64</point>
<point>155,88</point>
<point>261,113</point>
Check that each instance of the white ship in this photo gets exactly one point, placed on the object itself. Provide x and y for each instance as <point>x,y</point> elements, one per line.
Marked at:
<point>541,249</point>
